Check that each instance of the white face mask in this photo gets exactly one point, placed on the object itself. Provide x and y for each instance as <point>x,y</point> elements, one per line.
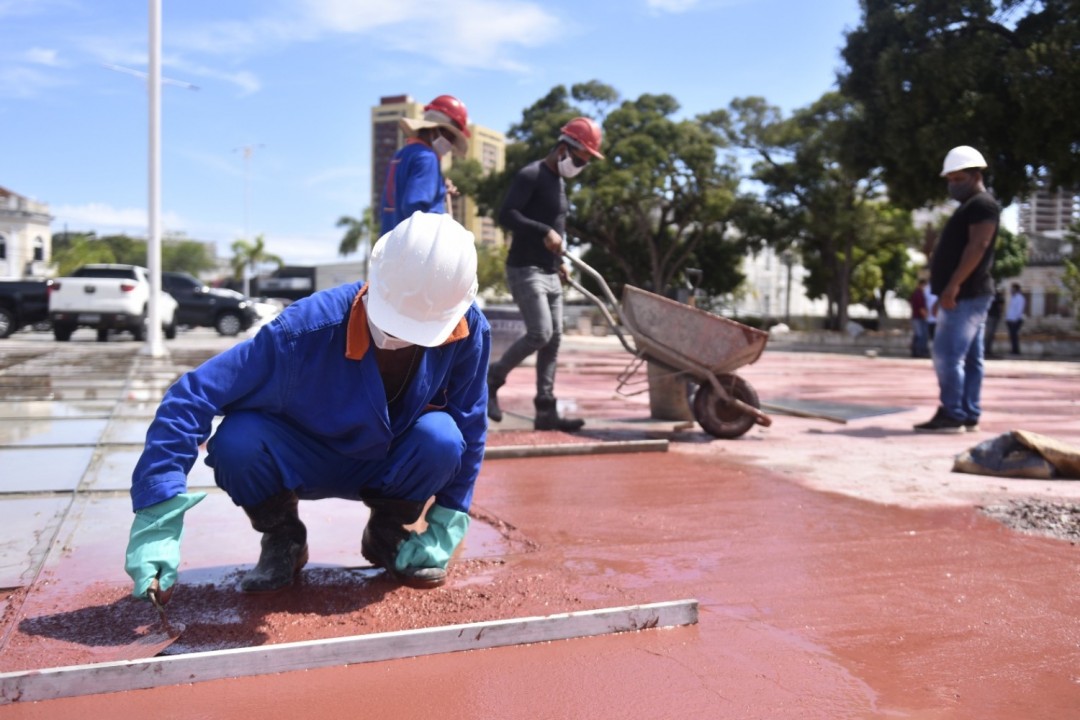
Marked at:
<point>441,145</point>
<point>567,168</point>
<point>381,339</point>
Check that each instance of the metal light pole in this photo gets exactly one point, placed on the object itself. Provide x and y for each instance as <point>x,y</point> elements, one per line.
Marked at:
<point>154,347</point>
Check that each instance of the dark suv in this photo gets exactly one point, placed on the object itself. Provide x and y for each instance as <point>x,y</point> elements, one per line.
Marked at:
<point>227,311</point>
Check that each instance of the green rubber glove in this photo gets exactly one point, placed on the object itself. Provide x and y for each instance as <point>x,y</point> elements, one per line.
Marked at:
<point>154,546</point>
<point>434,546</point>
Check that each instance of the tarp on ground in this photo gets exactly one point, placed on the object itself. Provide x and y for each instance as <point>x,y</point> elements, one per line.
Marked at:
<point>1021,454</point>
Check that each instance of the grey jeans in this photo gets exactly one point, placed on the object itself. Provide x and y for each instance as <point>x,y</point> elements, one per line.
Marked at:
<point>539,297</point>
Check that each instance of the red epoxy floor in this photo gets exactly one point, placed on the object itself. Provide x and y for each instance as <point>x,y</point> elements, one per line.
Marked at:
<point>842,572</point>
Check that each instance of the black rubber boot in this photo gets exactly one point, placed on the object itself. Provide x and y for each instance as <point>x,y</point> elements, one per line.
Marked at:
<point>547,417</point>
<point>494,412</point>
<point>384,534</point>
<point>284,544</point>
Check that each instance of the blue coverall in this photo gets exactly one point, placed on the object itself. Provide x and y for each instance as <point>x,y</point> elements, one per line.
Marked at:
<point>414,181</point>
<point>305,410</point>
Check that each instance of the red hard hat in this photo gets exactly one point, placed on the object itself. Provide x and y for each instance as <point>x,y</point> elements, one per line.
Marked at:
<point>585,132</point>
<point>452,108</point>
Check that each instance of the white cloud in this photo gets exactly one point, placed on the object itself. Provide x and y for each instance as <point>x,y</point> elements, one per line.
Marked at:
<point>477,34</point>
<point>20,81</point>
<point>42,56</point>
<point>671,6</point>
<point>103,218</point>
<point>337,174</point>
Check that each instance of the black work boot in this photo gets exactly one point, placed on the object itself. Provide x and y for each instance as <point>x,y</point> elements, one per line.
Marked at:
<point>547,417</point>
<point>494,412</point>
<point>384,534</point>
<point>284,544</point>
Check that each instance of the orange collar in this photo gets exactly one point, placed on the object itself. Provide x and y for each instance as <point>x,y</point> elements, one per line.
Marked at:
<point>358,337</point>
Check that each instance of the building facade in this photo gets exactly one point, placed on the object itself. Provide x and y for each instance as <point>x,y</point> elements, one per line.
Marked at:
<point>25,238</point>
<point>1049,212</point>
<point>486,146</point>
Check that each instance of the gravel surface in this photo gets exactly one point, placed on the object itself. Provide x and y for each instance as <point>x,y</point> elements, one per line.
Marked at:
<point>1041,517</point>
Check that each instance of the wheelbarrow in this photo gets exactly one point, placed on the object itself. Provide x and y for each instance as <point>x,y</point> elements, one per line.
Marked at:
<point>688,342</point>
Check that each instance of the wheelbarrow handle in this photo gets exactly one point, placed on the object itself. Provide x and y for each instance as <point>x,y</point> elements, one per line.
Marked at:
<point>610,314</point>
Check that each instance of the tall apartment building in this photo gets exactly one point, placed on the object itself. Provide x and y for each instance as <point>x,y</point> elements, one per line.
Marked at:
<point>1049,212</point>
<point>25,238</point>
<point>486,146</point>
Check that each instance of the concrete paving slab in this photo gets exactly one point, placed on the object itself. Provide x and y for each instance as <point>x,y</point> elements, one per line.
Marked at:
<point>29,526</point>
<point>38,433</point>
<point>35,470</point>
<point>20,409</point>
<point>111,469</point>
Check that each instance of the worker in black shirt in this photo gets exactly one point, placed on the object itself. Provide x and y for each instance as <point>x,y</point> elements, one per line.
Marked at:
<point>534,211</point>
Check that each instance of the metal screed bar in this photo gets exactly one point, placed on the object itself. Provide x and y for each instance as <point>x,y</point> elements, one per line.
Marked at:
<point>76,680</point>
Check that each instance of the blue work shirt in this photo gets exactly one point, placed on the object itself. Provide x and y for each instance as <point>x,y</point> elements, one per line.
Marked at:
<point>314,367</point>
<point>414,181</point>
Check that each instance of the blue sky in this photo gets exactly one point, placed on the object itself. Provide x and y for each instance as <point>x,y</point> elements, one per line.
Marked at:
<point>296,79</point>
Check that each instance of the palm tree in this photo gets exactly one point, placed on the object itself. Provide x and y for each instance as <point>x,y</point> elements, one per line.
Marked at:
<point>357,232</point>
<point>247,255</point>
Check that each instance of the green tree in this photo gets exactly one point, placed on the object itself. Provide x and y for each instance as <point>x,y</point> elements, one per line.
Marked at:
<point>662,201</point>
<point>819,204</point>
<point>247,256</point>
<point>1010,255</point>
<point>1000,75</point>
<point>358,232</point>
<point>180,254</point>
<point>77,249</point>
<point>490,268</point>
<point>1071,277</point>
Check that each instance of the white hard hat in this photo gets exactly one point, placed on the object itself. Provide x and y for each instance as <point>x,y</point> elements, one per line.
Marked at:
<point>963,157</point>
<point>422,278</point>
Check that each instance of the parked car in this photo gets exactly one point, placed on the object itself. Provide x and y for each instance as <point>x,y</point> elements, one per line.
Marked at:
<point>227,311</point>
<point>107,297</point>
<point>22,303</point>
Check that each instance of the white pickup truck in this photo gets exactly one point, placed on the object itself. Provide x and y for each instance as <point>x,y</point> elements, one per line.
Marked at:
<point>107,297</point>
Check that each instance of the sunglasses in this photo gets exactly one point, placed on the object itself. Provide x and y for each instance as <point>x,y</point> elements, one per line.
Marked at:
<point>578,161</point>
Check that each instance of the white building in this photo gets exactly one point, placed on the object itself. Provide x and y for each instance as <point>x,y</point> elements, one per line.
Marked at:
<point>25,238</point>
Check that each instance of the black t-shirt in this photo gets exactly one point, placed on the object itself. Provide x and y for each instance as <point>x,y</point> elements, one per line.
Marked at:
<point>979,208</point>
<point>535,203</point>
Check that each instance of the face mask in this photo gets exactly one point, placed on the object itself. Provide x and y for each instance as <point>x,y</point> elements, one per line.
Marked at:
<point>384,341</point>
<point>961,191</point>
<point>441,145</point>
<point>381,339</point>
<point>568,168</point>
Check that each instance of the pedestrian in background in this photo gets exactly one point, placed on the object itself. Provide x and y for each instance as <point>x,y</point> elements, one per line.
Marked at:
<point>414,179</point>
<point>372,392</point>
<point>919,313</point>
<point>993,319</point>
<point>534,211</point>
<point>960,277</point>
<point>1014,317</point>
<point>931,315</point>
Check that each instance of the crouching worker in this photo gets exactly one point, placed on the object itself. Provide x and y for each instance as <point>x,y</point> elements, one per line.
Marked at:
<point>372,392</point>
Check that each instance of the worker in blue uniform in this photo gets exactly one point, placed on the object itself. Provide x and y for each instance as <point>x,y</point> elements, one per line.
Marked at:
<point>373,392</point>
<point>414,179</point>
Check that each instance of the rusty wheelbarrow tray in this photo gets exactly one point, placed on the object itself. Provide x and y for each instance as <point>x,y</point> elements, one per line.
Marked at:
<point>688,341</point>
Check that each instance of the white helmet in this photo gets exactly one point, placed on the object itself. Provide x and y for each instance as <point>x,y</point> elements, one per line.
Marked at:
<point>963,157</point>
<point>422,278</point>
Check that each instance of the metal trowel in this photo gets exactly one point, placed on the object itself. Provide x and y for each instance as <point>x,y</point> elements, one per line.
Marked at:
<point>155,639</point>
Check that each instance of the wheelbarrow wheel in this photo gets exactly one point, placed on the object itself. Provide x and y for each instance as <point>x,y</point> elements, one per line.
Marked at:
<point>720,418</point>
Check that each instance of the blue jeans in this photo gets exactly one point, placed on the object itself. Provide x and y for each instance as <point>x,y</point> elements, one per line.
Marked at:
<point>958,356</point>
<point>539,297</point>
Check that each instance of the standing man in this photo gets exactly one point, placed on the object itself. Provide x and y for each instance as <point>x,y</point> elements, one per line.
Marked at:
<point>371,392</point>
<point>960,277</point>
<point>534,211</point>
<point>919,313</point>
<point>414,179</point>
<point>1014,317</point>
